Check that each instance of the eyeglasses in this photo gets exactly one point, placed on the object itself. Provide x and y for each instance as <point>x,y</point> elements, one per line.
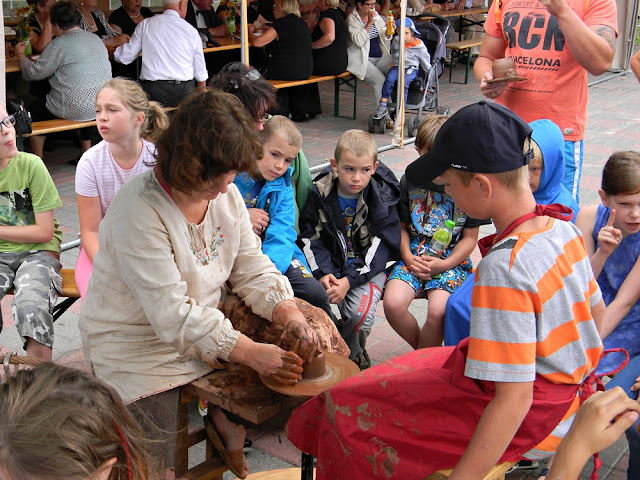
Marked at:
<point>251,75</point>
<point>371,5</point>
<point>9,121</point>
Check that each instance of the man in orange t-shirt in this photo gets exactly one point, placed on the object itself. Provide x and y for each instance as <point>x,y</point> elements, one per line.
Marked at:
<point>554,44</point>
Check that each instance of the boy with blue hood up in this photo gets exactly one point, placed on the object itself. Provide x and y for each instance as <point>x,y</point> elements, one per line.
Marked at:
<point>546,171</point>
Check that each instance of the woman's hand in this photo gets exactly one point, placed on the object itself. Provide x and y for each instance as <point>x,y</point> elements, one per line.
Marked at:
<point>19,48</point>
<point>259,219</point>
<point>291,371</point>
<point>306,335</point>
<point>609,237</point>
<point>265,358</point>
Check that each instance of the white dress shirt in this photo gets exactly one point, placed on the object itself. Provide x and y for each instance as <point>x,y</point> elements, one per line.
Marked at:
<point>171,49</point>
<point>200,23</point>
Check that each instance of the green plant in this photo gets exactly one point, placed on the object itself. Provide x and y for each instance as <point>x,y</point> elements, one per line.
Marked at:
<point>23,30</point>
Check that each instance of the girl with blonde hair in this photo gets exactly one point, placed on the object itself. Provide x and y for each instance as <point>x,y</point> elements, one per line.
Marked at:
<point>129,124</point>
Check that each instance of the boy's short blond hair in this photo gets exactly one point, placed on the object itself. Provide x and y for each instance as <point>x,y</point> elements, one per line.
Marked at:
<point>427,132</point>
<point>282,126</point>
<point>332,3</point>
<point>359,143</point>
<point>538,157</point>
<point>516,180</point>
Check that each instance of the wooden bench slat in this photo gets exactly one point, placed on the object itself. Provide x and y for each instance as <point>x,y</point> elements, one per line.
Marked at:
<point>464,44</point>
<point>211,469</point>
<point>496,473</point>
<point>58,125</point>
<point>69,288</point>
<point>277,84</point>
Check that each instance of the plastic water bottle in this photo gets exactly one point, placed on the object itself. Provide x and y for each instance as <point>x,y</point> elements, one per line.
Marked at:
<point>391,26</point>
<point>441,239</point>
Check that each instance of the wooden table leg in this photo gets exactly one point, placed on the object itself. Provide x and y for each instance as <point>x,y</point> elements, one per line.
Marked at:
<point>307,467</point>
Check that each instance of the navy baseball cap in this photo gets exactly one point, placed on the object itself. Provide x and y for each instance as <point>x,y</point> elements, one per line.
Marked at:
<point>483,137</point>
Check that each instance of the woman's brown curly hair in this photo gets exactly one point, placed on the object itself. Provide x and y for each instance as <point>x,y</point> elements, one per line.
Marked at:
<point>210,134</point>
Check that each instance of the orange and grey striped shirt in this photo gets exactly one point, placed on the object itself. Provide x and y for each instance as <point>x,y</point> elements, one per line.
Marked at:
<point>531,312</point>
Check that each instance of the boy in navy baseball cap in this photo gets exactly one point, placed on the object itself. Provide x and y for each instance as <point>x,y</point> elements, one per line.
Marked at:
<point>416,55</point>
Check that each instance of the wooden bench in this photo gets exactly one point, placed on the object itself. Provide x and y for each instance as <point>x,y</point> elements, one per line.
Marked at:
<point>69,291</point>
<point>223,388</point>
<point>462,50</point>
<point>345,79</point>
<point>496,473</point>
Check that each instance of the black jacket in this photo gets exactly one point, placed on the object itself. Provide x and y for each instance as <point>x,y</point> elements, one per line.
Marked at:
<point>211,19</point>
<point>375,231</point>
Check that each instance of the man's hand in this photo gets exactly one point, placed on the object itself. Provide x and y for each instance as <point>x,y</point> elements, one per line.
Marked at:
<point>491,90</point>
<point>555,7</point>
<point>339,290</point>
<point>219,31</point>
<point>461,4</point>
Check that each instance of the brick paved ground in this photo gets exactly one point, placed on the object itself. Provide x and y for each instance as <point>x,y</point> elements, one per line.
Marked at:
<point>613,124</point>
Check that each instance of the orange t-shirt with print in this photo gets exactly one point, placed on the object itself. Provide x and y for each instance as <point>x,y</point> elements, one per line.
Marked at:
<point>557,84</point>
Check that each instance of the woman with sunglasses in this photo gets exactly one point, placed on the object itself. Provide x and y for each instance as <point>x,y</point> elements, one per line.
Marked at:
<point>368,50</point>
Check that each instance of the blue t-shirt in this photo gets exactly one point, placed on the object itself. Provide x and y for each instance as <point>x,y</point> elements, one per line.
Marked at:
<point>348,208</point>
<point>251,196</point>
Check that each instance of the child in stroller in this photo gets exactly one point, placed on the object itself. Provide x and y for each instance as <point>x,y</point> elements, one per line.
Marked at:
<point>416,56</point>
<point>424,89</point>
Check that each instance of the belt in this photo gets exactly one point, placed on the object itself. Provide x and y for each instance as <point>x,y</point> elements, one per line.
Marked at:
<point>173,82</point>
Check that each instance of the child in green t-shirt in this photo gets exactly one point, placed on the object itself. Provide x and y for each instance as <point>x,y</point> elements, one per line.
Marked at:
<point>29,241</point>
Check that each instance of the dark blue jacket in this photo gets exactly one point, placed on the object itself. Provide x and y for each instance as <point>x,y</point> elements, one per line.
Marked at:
<point>375,231</point>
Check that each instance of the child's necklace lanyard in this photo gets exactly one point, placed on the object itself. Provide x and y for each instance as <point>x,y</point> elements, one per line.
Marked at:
<point>555,210</point>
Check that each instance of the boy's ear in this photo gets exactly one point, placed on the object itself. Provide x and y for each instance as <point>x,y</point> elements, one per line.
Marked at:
<point>604,198</point>
<point>483,185</point>
<point>334,164</point>
<point>375,166</point>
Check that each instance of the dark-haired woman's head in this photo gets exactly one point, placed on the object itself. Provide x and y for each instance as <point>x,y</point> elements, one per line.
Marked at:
<point>256,94</point>
<point>65,15</point>
<point>210,135</point>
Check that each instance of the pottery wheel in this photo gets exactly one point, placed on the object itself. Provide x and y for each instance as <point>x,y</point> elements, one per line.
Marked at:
<point>338,368</point>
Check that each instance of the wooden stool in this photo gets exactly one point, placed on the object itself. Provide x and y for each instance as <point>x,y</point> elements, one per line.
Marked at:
<point>232,391</point>
<point>282,474</point>
<point>496,473</point>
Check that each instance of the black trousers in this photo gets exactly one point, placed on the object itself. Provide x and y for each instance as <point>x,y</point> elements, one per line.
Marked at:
<point>306,287</point>
<point>169,93</point>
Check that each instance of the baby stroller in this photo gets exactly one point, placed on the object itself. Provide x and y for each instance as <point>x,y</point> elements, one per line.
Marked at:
<point>424,90</point>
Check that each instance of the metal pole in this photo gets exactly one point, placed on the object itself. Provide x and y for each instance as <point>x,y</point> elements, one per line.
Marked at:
<point>244,33</point>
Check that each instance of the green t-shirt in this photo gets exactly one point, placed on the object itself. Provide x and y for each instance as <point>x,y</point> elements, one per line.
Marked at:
<point>26,188</point>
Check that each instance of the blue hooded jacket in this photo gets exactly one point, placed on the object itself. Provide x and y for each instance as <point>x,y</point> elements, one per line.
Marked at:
<point>279,242</point>
<point>551,190</point>
<point>549,138</point>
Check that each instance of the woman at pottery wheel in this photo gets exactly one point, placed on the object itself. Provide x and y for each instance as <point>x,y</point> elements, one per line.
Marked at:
<point>174,241</point>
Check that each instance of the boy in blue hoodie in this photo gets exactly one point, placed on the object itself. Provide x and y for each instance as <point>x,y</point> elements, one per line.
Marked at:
<point>546,170</point>
<point>415,56</point>
<point>269,197</point>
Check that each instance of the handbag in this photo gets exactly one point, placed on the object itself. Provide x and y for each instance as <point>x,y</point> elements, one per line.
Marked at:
<point>23,117</point>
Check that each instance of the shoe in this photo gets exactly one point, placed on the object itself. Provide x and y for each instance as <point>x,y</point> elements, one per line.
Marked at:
<point>202,407</point>
<point>363,361</point>
<point>234,460</point>
<point>381,112</point>
<point>248,445</point>
<point>524,465</point>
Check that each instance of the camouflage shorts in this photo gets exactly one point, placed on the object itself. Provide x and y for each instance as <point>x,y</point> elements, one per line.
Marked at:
<point>36,280</point>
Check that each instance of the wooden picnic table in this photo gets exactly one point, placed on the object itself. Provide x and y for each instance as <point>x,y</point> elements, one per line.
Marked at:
<point>226,43</point>
<point>461,15</point>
